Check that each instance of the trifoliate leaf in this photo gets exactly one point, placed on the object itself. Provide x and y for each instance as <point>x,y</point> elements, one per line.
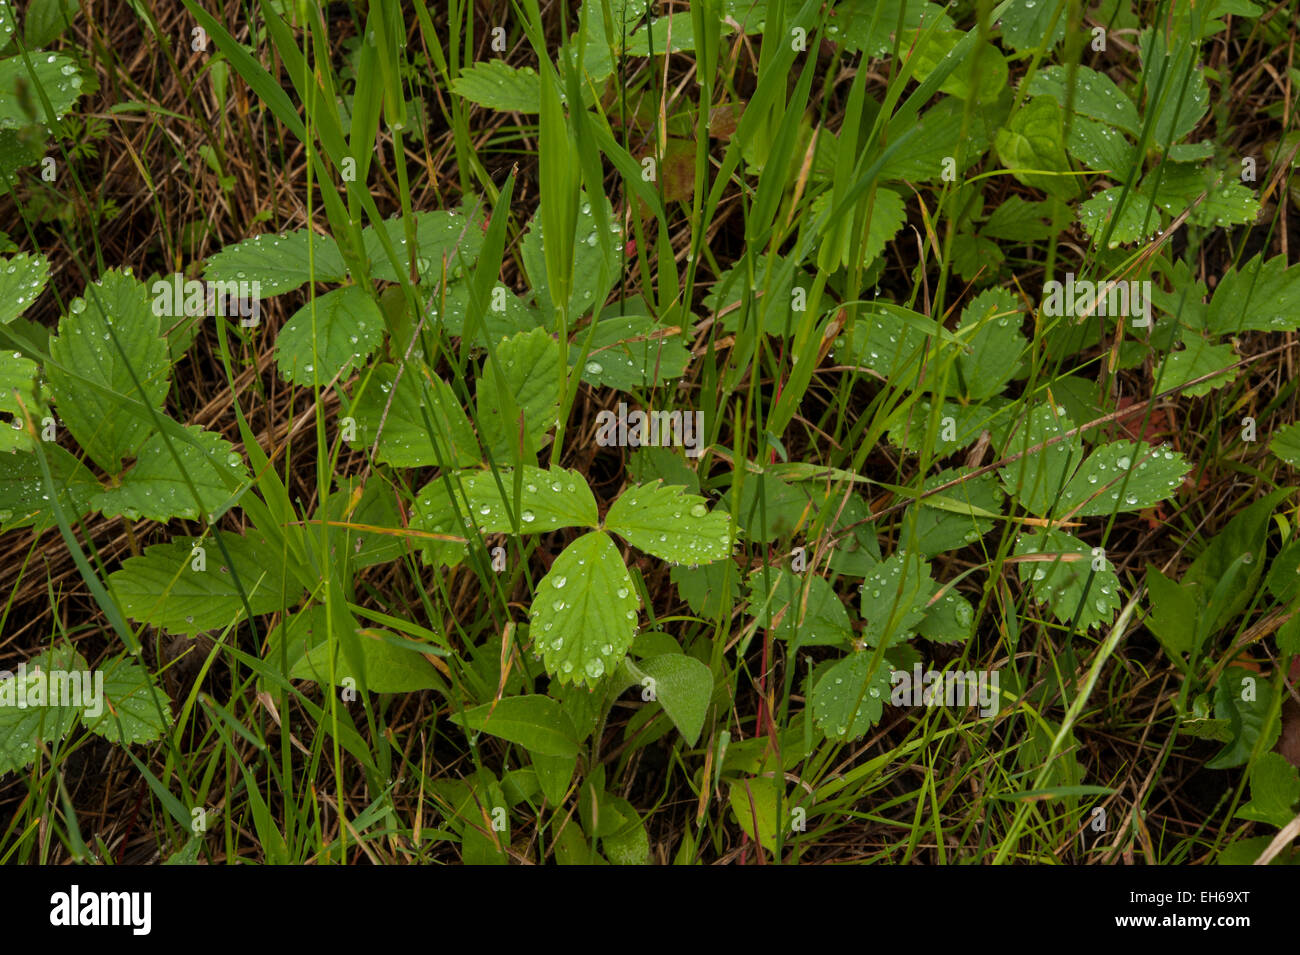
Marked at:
<point>22,278</point>
<point>156,487</point>
<point>895,597</point>
<point>537,723</point>
<point>135,710</point>
<point>683,686</point>
<point>671,523</point>
<point>110,339</point>
<point>850,696</point>
<point>1061,575</point>
<point>497,85</point>
<point>185,591</point>
<point>1123,476</point>
<point>279,263</point>
<point>52,74</point>
<point>631,352</point>
<point>1095,95</point>
<point>584,611</point>
<point>424,425</point>
<point>527,368</point>
<point>1033,139</point>
<point>1198,359</point>
<point>549,500</point>
<point>346,327</point>
<point>804,610</point>
<point>34,708</point>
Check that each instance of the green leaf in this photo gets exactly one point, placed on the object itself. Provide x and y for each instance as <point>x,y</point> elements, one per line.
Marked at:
<point>389,668</point>
<point>22,279</point>
<point>6,24</point>
<point>1019,221</point>
<point>449,309</point>
<point>1033,139</point>
<point>1285,444</point>
<point>1259,297</point>
<point>584,611</point>
<point>1227,202</point>
<point>1123,476</point>
<point>990,326</point>
<point>889,341</point>
<point>771,289</point>
<point>1037,479</point>
<point>537,723</point>
<point>1095,94</point>
<point>706,589</point>
<point>27,717</point>
<point>850,696</point>
<point>888,215</point>
<point>165,587</point>
<point>115,312</point>
<point>1244,698</point>
<point>497,85</point>
<point>683,686</point>
<point>948,620</point>
<point>1175,87</point>
<point>528,368</point>
<point>1100,147</point>
<point>45,20</point>
<point>623,836</point>
<point>631,352</point>
<point>1136,218</point>
<point>754,802</point>
<point>549,500</point>
<point>18,398</point>
<point>671,523</point>
<point>1025,22</point>
<point>24,497</point>
<point>279,263</point>
<point>956,427</point>
<point>376,507</point>
<point>1062,577</point>
<point>438,235</point>
<point>1175,613</point>
<point>870,25</point>
<point>895,596</point>
<point>56,75</point>
<point>1274,791</point>
<point>348,327</point>
<point>590,261</point>
<point>933,526</point>
<point>424,425</point>
<point>814,616</point>
<point>135,710</point>
<point>155,487</point>
<point>1198,359</point>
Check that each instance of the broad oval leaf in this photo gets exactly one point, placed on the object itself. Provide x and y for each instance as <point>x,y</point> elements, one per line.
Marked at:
<point>347,326</point>
<point>584,611</point>
<point>116,313</point>
<point>683,686</point>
